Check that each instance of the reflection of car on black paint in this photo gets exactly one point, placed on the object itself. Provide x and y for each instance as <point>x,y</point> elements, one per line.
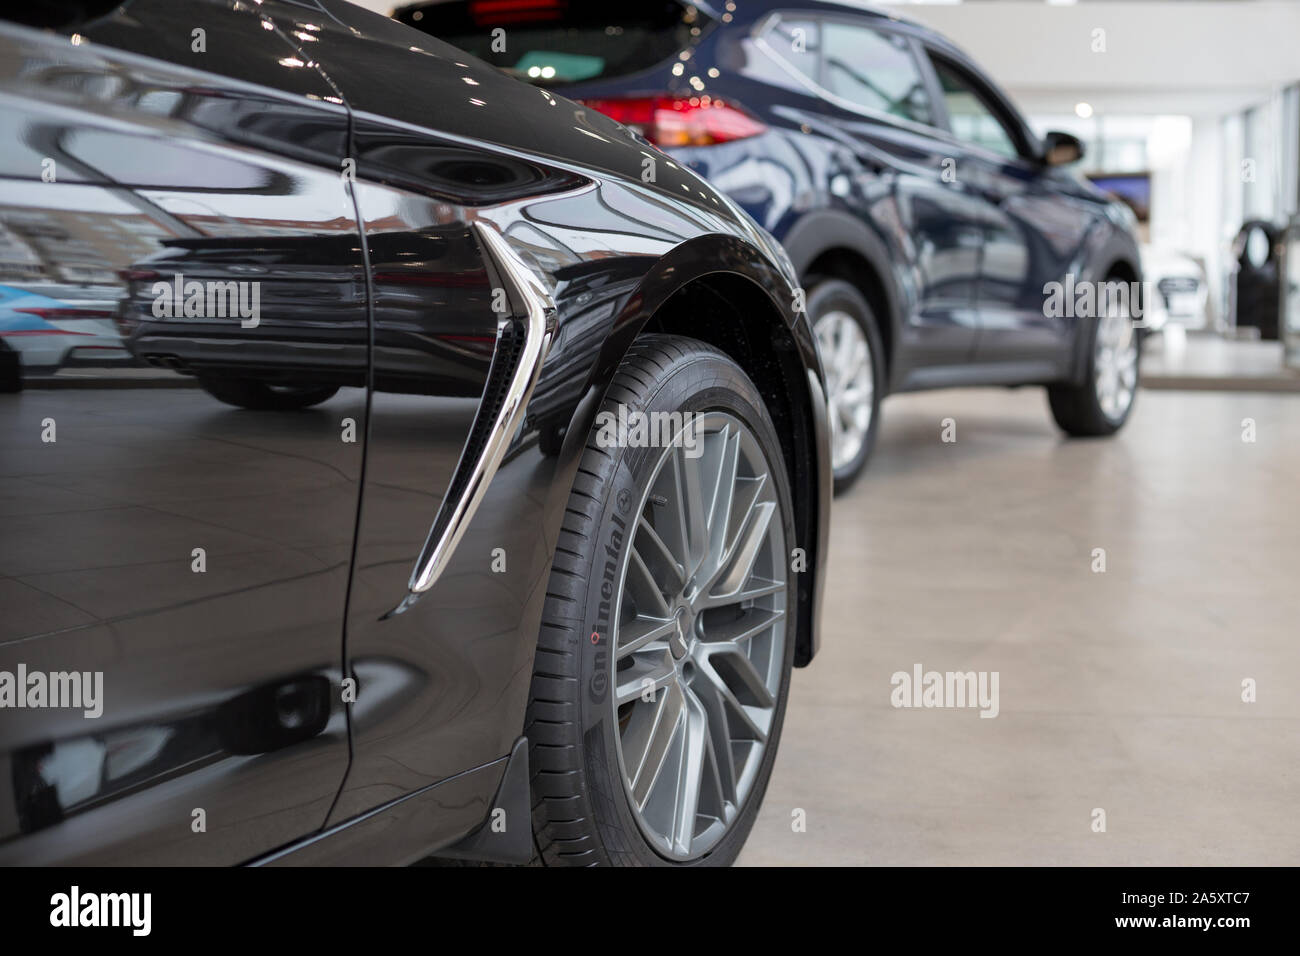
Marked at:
<point>52,327</point>
<point>923,216</point>
<point>446,282</point>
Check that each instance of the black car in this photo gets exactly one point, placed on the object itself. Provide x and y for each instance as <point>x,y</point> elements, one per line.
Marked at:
<point>468,496</point>
<point>925,220</point>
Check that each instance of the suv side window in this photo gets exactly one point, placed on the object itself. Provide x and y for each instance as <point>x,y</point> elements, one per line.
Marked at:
<point>796,41</point>
<point>971,119</point>
<point>874,70</point>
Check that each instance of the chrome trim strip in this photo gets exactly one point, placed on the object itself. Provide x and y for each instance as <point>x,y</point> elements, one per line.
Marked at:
<point>523,288</point>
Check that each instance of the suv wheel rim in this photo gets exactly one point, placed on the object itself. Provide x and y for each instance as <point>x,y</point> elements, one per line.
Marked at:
<point>700,641</point>
<point>850,383</point>
<point>1115,367</point>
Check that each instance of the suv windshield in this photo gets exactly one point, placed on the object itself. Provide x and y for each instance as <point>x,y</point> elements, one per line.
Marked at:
<point>553,42</point>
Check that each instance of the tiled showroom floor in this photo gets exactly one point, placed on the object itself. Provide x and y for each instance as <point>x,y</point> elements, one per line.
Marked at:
<point>1119,691</point>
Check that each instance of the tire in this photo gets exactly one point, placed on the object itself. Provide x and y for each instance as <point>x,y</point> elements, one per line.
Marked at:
<point>11,370</point>
<point>1082,410</point>
<point>839,313</point>
<point>579,737</point>
<point>259,396</point>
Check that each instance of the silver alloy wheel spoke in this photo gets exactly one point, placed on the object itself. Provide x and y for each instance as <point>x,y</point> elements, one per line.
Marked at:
<point>690,774</point>
<point>647,678</point>
<point>1115,364</point>
<point>645,630</point>
<point>751,716</point>
<point>690,503</point>
<point>850,383</point>
<point>700,639</point>
<point>656,749</point>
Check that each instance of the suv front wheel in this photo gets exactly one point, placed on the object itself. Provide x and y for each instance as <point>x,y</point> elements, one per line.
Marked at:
<point>1101,404</point>
<point>852,356</point>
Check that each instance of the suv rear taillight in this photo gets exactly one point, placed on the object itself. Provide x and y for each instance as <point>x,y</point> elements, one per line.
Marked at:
<point>669,121</point>
<point>513,12</point>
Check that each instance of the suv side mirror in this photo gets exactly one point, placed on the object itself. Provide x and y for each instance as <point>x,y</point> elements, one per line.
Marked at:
<point>1060,149</point>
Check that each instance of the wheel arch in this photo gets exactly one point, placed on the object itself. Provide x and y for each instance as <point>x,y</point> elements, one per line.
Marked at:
<point>835,244</point>
<point>1120,263</point>
<point>723,291</point>
<point>1122,268</point>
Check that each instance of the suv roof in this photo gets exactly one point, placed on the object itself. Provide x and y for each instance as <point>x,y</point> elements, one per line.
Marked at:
<point>755,9</point>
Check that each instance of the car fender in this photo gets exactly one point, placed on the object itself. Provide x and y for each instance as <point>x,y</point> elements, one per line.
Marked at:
<point>1107,251</point>
<point>695,259</point>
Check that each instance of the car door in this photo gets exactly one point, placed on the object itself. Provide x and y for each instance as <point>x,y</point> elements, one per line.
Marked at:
<point>1031,232</point>
<point>877,93</point>
<point>173,568</point>
<point>433,668</point>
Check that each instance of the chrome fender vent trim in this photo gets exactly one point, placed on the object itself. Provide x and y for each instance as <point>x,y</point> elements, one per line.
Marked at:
<point>523,339</point>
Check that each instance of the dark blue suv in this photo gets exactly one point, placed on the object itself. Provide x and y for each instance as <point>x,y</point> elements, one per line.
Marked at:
<point>938,241</point>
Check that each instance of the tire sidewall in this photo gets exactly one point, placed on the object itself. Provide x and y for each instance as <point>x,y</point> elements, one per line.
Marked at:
<point>619,831</point>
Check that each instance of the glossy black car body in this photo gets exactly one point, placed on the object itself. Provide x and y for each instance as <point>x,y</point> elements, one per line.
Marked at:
<point>950,234</point>
<point>280,682</point>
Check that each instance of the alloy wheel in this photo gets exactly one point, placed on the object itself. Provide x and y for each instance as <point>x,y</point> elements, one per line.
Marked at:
<point>850,383</point>
<point>699,647</point>
<point>1115,366</point>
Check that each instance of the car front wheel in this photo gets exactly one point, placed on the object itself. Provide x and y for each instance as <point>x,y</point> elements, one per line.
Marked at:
<point>1101,404</point>
<point>663,663</point>
<point>853,359</point>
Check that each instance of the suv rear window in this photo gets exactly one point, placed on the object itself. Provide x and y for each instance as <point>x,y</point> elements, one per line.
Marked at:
<point>553,42</point>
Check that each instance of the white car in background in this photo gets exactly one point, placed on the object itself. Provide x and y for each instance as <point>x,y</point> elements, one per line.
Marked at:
<point>1181,294</point>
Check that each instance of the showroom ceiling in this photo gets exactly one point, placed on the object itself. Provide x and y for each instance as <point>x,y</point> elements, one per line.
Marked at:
<point>1213,57</point>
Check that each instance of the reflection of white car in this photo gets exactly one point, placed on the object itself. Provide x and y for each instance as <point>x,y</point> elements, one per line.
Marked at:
<point>1179,292</point>
<point>51,327</point>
